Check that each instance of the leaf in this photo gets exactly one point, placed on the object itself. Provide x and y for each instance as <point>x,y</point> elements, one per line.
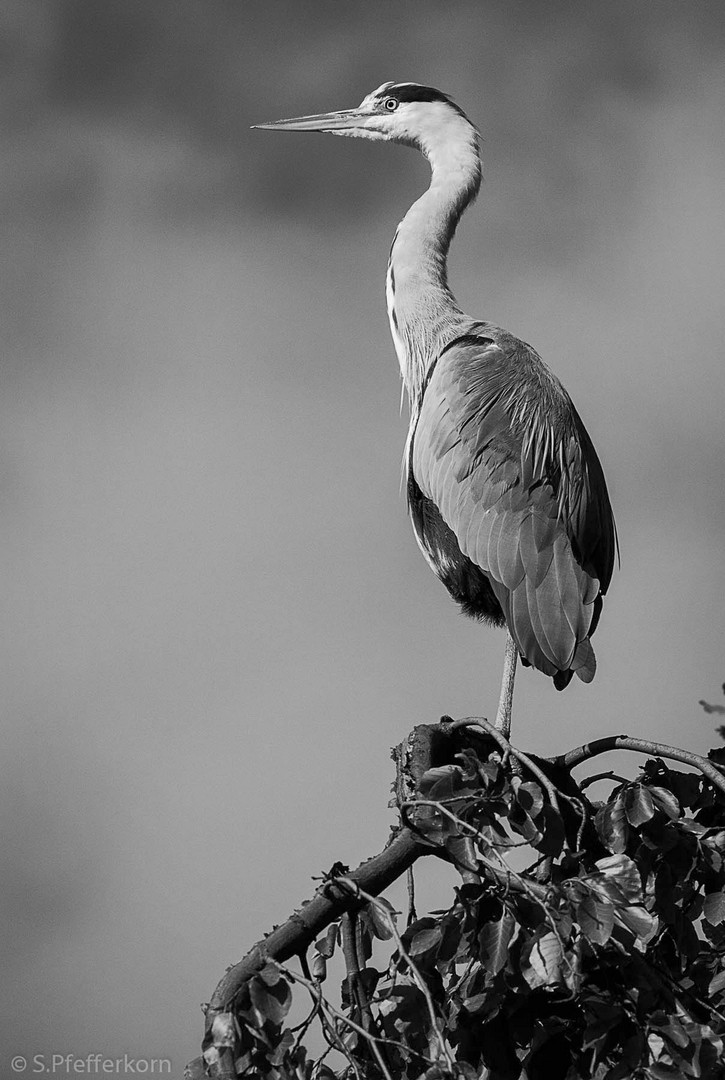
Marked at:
<point>543,966</point>
<point>224,1030</point>
<point>403,1006</point>
<point>241,1064</point>
<point>425,941</point>
<point>529,796</point>
<point>326,945</point>
<point>638,804</point>
<point>196,1070</point>
<point>675,1033</point>
<point>666,801</point>
<point>270,1002</point>
<point>611,824</point>
<point>494,941</point>
<point>596,920</point>
<point>463,852</point>
<point>714,934</point>
<point>319,967</point>
<point>605,1017</point>
<point>714,908</point>
<point>660,1071</point>
<point>270,975</point>
<point>715,839</point>
<point>521,823</point>
<point>380,924</point>
<point>621,873</point>
<point>552,828</point>
<point>717,984</point>
<point>643,925</point>
<point>446,782</point>
<point>713,847</point>
<point>284,1044</point>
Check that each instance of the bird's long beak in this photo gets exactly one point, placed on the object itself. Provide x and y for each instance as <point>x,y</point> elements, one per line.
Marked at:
<point>343,120</point>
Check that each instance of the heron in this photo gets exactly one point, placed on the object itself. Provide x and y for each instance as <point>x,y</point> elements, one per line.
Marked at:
<point>505,491</point>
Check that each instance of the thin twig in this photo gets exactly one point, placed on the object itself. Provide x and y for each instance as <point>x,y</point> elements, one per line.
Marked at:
<point>412,916</point>
<point>419,980</point>
<point>504,871</point>
<point>352,953</point>
<point>589,780</point>
<point>316,993</point>
<point>537,893</point>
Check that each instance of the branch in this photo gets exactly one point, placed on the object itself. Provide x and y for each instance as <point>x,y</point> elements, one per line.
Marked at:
<point>474,723</point>
<point>609,775</point>
<point>330,902</point>
<point>322,1003</point>
<point>503,874</point>
<point>388,918</point>
<point>641,746</point>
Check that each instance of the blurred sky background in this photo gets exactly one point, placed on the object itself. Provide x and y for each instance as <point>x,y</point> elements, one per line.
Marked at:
<point>216,619</point>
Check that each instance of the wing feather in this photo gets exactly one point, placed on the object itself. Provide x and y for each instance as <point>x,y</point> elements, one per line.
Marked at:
<point>535,549</point>
<point>499,449</point>
<point>509,562</point>
<point>556,629</point>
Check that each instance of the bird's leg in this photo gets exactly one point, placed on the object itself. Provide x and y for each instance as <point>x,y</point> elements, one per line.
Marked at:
<point>503,716</point>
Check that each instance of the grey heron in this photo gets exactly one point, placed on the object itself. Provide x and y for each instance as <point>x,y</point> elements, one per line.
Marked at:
<point>505,491</point>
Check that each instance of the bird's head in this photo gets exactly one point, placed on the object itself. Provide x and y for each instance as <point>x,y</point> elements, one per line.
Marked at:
<point>405,112</point>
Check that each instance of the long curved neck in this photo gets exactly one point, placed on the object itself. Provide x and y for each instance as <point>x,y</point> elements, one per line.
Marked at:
<point>422,310</point>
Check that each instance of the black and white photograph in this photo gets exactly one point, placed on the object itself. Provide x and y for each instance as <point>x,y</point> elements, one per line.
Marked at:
<point>363,539</point>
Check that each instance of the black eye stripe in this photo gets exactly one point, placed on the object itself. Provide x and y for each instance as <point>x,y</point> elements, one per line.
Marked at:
<point>413,92</point>
<point>405,92</point>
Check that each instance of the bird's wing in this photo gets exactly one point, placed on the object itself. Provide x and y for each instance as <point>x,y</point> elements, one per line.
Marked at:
<point>500,450</point>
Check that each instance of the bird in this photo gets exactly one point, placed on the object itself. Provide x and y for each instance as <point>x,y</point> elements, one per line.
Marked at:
<point>506,494</point>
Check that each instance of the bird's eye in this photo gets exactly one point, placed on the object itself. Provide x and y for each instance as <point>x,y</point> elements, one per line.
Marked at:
<point>391,104</point>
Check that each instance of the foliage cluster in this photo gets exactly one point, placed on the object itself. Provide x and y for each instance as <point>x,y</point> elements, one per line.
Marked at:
<point>604,958</point>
